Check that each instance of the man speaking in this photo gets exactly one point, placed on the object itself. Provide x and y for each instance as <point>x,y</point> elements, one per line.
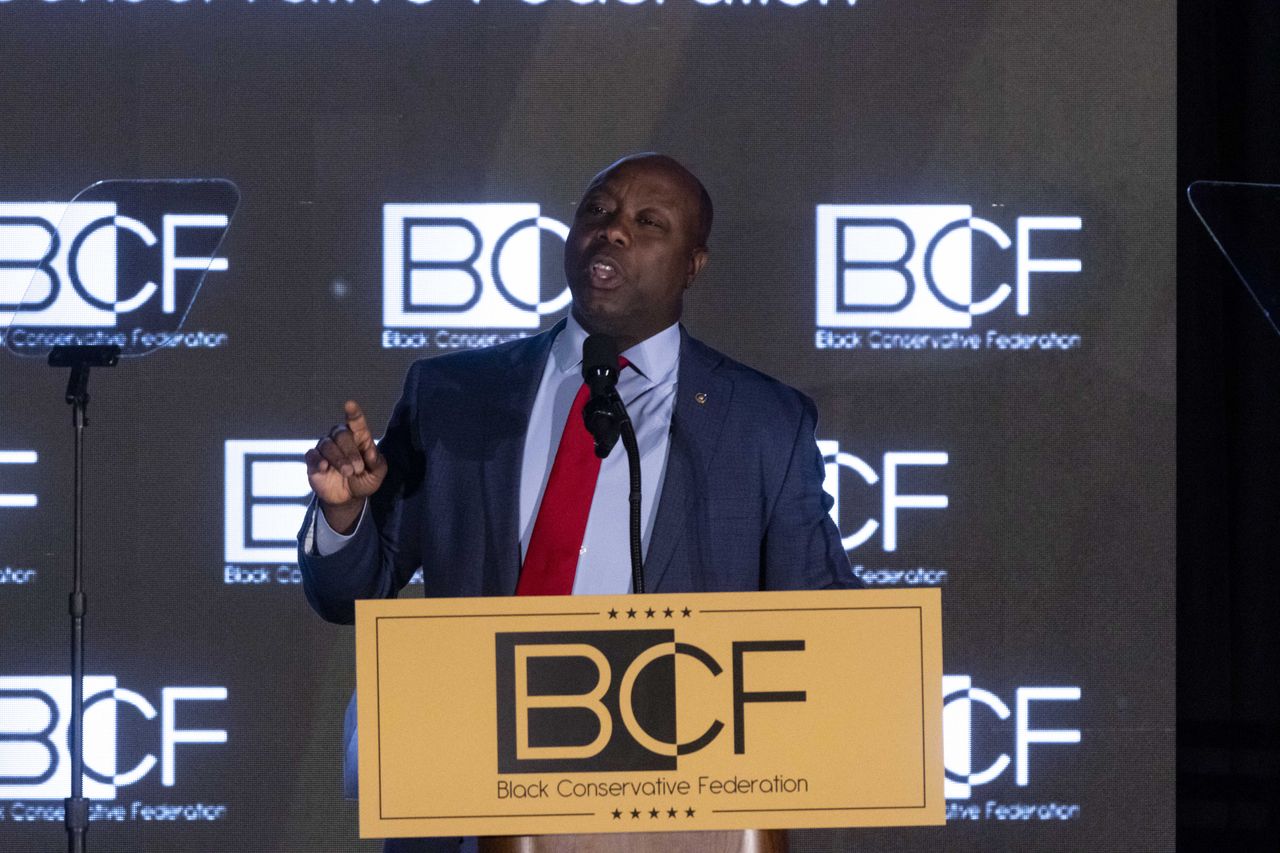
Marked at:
<point>486,477</point>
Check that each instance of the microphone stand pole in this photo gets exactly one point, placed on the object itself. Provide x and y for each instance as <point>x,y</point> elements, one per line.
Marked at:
<point>633,463</point>
<point>605,417</point>
<point>79,359</point>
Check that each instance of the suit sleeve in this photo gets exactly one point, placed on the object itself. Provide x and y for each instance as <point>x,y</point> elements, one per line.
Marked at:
<point>802,548</point>
<point>385,551</point>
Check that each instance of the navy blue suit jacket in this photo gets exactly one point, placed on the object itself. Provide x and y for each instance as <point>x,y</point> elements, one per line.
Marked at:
<point>742,505</point>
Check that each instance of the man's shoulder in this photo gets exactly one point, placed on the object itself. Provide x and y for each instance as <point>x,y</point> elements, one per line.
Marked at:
<point>753,388</point>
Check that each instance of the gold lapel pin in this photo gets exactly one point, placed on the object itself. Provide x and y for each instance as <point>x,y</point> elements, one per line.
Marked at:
<point>701,398</point>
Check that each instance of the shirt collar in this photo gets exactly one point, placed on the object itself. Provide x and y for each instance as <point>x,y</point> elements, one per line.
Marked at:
<point>655,357</point>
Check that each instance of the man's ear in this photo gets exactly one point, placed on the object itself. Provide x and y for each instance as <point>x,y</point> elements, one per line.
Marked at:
<point>697,261</point>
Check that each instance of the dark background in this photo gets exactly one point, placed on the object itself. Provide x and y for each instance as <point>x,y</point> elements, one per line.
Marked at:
<point>1228,406</point>
<point>1059,537</point>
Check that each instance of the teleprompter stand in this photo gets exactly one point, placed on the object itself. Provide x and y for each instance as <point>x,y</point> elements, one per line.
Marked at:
<point>80,359</point>
<point>77,328</point>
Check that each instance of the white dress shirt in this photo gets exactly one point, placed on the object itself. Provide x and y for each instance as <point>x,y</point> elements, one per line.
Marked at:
<point>648,388</point>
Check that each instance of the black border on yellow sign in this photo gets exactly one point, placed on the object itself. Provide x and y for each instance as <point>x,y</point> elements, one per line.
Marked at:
<point>924,803</point>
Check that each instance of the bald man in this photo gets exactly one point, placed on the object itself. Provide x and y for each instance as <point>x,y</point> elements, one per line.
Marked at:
<point>468,481</point>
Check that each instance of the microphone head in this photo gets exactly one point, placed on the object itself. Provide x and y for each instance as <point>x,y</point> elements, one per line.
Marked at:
<point>600,363</point>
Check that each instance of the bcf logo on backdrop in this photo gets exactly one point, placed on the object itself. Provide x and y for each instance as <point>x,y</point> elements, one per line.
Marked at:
<point>893,496</point>
<point>35,712</point>
<point>474,266</point>
<point>60,263</point>
<point>18,499</point>
<point>961,700</point>
<point>911,266</point>
<point>266,498</point>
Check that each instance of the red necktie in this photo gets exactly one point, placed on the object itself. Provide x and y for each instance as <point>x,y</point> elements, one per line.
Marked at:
<point>554,546</point>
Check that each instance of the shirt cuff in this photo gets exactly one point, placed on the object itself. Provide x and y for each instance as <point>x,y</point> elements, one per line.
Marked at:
<point>328,540</point>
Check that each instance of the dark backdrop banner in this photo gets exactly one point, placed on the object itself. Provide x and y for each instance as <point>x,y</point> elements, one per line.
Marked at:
<point>949,223</point>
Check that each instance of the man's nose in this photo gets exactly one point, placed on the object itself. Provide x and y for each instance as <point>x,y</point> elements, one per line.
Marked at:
<point>613,231</point>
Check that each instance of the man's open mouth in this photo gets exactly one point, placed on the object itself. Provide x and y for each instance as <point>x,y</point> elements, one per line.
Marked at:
<point>604,270</point>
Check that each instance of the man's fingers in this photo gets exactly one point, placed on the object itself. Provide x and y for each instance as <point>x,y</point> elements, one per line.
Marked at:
<point>315,462</point>
<point>346,442</point>
<point>360,431</point>
<point>369,452</point>
<point>333,454</point>
<point>349,450</point>
<point>355,420</point>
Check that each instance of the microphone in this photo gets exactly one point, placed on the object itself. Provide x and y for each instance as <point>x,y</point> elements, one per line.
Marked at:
<point>600,364</point>
<point>607,419</point>
<point>600,373</point>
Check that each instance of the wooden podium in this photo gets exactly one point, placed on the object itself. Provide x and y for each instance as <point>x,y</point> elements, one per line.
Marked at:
<point>746,841</point>
<point>658,723</point>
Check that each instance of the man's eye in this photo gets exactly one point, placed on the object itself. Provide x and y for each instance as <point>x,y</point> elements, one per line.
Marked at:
<point>648,220</point>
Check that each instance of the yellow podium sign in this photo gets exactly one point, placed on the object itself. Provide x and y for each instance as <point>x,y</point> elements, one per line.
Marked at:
<point>553,715</point>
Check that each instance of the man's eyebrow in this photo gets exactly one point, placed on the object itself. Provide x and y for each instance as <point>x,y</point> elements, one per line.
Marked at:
<point>594,195</point>
<point>670,205</point>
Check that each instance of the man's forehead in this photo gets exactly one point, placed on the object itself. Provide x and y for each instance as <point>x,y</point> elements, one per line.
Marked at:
<point>664,181</point>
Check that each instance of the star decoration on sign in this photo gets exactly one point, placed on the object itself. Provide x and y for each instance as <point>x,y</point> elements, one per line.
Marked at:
<point>688,812</point>
<point>653,813</point>
<point>649,613</point>
<point>671,812</point>
<point>685,613</point>
<point>667,613</point>
<point>617,815</point>
<point>613,614</point>
<point>631,614</point>
<point>635,813</point>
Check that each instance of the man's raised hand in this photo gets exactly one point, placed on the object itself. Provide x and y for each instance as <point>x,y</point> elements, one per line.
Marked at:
<point>344,468</point>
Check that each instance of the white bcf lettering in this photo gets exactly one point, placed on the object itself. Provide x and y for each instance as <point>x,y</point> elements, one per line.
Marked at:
<point>892,500</point>
<point>171,735</point>
<point>469,266</point>
<point>833,460</point>
<point>174,262</point>
<point>265,500</point>
<point>18,457</point>
<point>1028,735</point>
<point>1027,264</point>
<point>148,711</point>
<point>34,718</point>
<point>911,266</point>
<point>957,742</point>
<point>959,699</point>
<point>50,249</point>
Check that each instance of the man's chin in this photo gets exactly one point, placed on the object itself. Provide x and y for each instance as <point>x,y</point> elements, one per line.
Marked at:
<point>600,322</point>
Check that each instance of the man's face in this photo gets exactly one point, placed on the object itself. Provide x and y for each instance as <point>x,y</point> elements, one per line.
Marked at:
<point>633,249</point>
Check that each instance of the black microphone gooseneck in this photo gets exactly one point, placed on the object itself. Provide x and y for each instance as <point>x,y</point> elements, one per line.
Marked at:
<point>606,418</point>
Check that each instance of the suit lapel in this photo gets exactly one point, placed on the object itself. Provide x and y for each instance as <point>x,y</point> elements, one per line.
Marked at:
<point>702,401</point>
<point>521,374</point>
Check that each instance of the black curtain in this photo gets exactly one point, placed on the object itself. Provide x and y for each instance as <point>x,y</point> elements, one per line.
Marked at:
<point>1228,445</point>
